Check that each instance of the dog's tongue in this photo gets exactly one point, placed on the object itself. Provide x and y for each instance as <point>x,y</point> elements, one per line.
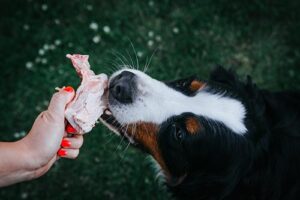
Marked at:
<point>88,104</point>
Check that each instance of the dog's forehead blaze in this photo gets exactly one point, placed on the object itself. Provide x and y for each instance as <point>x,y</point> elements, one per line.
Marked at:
<point>196,85</point>
<point>146,135</point>
<point>192,125</point>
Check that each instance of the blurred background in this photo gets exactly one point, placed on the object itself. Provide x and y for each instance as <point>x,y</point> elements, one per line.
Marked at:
<point>258,37</point>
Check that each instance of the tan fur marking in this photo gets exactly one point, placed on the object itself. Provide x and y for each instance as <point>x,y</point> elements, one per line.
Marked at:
<point>146,134</point>
<point>192,125</point>
<point>196,85</point>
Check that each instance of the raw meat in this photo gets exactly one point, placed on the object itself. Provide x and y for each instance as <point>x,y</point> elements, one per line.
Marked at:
<point>89,102</point>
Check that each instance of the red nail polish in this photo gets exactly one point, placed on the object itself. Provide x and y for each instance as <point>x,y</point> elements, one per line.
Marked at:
<point>62,152</point>
<point>69,89</point>
<point>65,143</point>
<point>70,129</point>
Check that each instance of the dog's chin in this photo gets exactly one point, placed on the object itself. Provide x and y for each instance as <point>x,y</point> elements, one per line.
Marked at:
<point>108,119</point>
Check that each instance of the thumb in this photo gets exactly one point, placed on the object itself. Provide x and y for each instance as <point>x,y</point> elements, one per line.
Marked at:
<point>59,101</point>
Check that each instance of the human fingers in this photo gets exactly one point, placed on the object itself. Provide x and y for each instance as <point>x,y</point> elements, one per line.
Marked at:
<point>74,142</point>
<point>59,101</point>
<point>68,153</point>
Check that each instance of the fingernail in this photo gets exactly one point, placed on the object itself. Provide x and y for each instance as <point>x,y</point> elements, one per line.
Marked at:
<point>62,152</point>
<point>70,129</point>
<point>69,89</point>
<point>65,143</point>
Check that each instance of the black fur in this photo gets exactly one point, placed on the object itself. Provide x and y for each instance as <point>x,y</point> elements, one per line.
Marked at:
<point>218,164</point>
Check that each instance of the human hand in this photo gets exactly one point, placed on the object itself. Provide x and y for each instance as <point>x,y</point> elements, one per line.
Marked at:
<point>47,140</point>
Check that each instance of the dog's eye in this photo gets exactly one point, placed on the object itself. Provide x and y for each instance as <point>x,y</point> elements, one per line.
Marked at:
<point>178,133</point>
<point>182,84</point>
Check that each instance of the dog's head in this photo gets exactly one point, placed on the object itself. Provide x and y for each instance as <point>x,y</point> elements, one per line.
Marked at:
<point>190,127</point>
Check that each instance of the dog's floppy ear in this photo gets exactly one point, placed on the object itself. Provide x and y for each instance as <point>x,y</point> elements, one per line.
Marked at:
<point>188,85</point>
<point>184,82</point>
<point>223,76</point>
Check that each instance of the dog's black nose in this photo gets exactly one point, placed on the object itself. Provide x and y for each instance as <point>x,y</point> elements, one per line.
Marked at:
<point>122,87</point>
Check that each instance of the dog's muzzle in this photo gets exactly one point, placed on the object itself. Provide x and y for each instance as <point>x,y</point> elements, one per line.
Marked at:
<point>122,90</point>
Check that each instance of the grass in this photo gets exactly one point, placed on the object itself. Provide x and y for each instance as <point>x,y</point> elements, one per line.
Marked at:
<point>260,38</point>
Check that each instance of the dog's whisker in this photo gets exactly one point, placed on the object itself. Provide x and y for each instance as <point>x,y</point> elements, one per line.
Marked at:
<point>120,143</point>
<point>131,60</point>
<point>120,59</point>
<point>109,139</point>
<point>125,150</point>
<point>113,65</point>
<point>149,61</point>
<point>116,65</point>
<point>124,59</point>
<point>136,57</point>
<point>128,142</point>
<point>135,129</point>
<point>114,59</point>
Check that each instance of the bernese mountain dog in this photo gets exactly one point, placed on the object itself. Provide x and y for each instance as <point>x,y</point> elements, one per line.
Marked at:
<point>220,139</point>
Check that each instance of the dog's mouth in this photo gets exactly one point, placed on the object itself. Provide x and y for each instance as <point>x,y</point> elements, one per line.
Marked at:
<point>111,122</point>
<point>125,131</point>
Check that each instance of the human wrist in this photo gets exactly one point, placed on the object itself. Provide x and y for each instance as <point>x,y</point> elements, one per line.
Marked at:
<point>29,155</point>
<point>31,164</point>
<point>14,167</point>
<point>23,153</point>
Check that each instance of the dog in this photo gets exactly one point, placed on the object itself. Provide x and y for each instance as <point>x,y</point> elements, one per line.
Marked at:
<point>219,139</point>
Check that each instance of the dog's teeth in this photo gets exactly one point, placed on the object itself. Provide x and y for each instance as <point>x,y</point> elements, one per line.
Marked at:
<point>107,112</point>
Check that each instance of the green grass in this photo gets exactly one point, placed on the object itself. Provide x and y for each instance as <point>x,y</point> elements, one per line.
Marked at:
<point>260,38</point>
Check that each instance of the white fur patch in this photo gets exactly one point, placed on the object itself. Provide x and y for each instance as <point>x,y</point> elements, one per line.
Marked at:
<point>156,102</point>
